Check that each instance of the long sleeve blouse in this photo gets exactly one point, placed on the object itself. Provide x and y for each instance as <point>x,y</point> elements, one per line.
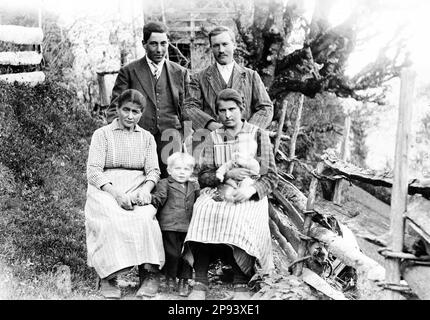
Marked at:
<point>113,147</point>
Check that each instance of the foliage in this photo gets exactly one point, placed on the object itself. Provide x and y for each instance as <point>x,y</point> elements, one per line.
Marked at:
<point>44,143</point>
<point>58,57</point>
<point>321,128</point>
<point>421,160</point>
<point>318,63</point>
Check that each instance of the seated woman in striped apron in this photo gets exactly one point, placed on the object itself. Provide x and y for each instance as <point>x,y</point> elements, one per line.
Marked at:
<point>236,231</point>
<point>121,229</point>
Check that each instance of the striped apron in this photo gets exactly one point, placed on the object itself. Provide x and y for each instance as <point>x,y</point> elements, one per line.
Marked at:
<point>243,226</point>
<point>118,238</point>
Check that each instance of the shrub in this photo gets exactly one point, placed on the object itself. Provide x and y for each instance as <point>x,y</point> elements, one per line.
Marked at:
<point>44,140</point>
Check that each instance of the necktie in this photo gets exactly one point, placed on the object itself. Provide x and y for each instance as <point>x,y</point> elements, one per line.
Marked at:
<point>155,70</point>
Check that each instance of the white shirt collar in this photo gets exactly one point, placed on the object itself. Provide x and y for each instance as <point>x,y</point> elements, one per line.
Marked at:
<point>226,70</point>
<point>155,67</point>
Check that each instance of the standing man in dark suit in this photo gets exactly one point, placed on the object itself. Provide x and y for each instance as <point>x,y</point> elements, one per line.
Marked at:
<point>163,83</point>
<point>199,105</point>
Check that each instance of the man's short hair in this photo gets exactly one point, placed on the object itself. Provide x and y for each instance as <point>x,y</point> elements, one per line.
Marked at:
<point>151,27</point>
<point>218,30</point>
<point>184,157</point>
<point>229,95</point>
<point>133,96</point>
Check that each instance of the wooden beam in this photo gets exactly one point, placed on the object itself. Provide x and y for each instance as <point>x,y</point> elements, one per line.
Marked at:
<point>318,283</point>
<point>373,177</point>
<point>295,216</point>
<point>281,124</point>
<point>308,218</point>
<point>286,228</point>
<point>185,29</point>
<point>104,99</point>
<point>339,185</point>
<point>21,35</point>
<point>21,58</point>
<point>283,243</point>
<point>221,11</point>
<point>295,135</point>
<point>30,78</point>
<point>274,134</point>
<point>400,183</point>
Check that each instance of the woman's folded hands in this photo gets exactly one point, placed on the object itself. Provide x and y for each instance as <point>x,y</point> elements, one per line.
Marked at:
<point>121,198</point>
<point>124,201</point>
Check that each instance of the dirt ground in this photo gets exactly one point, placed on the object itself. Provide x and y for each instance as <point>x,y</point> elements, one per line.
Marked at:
<point>130,284</point>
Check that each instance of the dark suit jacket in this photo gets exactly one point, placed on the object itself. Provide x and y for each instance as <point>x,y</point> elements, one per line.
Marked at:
<point>137,75</point>
<point>175,203</point>
<point>199,105</point>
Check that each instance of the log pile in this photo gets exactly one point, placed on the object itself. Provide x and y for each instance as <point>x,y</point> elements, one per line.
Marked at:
<point>367,217</point>
<point>290,202</point>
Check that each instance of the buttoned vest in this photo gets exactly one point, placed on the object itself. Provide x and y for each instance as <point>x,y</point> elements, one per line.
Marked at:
<point>163,114</point>
<point>167,117</point>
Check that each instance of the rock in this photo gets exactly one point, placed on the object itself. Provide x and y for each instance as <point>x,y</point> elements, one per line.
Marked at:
<point>63,279</point>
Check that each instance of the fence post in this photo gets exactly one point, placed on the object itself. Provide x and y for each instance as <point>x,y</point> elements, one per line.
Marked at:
<point>308,218</point>
<point>400,184</point>
<point>295,135</point>
<point>104,100</point>
<point>337,197</point>
<point>281,125</point>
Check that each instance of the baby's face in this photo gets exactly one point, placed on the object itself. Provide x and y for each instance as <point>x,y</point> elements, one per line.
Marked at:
<point>181,172</point>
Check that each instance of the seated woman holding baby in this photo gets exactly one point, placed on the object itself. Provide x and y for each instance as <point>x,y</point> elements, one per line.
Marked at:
<point>231,221</point>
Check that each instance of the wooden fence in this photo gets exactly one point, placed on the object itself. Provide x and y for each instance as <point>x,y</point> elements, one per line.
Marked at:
<point>22,36</point>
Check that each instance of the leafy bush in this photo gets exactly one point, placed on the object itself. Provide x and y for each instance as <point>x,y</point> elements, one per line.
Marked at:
<point>44,140</point>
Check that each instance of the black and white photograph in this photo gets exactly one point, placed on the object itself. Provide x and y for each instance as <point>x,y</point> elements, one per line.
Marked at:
<point>214,155</point>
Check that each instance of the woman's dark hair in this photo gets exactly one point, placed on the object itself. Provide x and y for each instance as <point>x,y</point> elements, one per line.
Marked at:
<point>229,95</point>
<point>151,27</point>
<point>134,96</point>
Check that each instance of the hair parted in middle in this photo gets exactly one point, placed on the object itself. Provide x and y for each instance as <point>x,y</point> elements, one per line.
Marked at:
<point>134,96</point>
<point>229,95</point>
<point>181,156</point>
<point>155,26</point>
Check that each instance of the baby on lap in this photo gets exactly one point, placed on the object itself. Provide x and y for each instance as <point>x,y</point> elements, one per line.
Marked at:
<point>244,151</point>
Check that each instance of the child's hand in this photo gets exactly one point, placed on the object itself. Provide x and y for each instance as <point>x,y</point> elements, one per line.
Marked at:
<point>220,175</point>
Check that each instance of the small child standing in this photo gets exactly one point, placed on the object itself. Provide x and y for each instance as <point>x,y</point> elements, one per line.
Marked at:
<point>174,198</point>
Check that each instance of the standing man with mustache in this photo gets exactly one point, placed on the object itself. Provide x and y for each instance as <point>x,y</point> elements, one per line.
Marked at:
<point>199,105</point>
<point>163,84</point>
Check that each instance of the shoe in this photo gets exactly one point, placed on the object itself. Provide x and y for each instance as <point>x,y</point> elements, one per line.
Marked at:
<point>150,285</point>
<point>198,292</point>
<point>183,287</point>
<point>241,292</point>
<point>109,289</point>
<point>171,284</point>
